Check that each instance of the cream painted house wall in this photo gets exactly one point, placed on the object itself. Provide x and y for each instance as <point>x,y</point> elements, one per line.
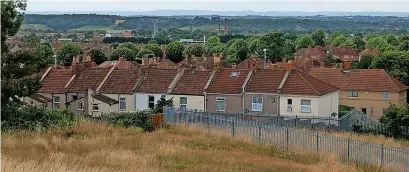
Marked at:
<point>321,106</point>
<point>141,99</point>
<point>193,101</point>
<point>373,102</point>
<point>49,104</point>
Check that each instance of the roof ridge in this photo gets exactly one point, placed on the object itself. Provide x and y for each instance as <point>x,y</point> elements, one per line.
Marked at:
<point>299,73</point>
<point>107,76</point>
<point>106,81</point>
<point>390,79</point>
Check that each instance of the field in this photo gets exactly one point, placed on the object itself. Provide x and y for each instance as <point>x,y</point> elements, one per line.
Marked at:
<point>90,28</point>
<point>210,27</point>
<point>35,26</point>
<point>100,147</point>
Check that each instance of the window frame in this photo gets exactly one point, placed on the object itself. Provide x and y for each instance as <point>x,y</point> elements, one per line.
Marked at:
<point>221,99</point>
<point>93,105</point>
<point>352,94</point>
<point>386,93</point>
<point>257,104</point>
<point>182,104</point>
<point>82,105</point>
<point>153,101</point>
<point>120,101</point>
<point>55,102</point>
<point>305,106</point>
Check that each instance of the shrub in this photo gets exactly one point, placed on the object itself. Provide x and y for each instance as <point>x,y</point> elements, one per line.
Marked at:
<point>16,117</point>
<point>140,119</point>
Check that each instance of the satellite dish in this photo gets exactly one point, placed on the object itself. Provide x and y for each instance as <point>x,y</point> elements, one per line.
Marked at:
<point>333,114</point>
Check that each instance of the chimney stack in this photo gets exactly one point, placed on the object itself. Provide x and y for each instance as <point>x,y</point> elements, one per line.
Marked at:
<point>234,66</point>
<point>346,65</point>
<point>188,60</point>
<point>144,61</point>
<point>76,66</point>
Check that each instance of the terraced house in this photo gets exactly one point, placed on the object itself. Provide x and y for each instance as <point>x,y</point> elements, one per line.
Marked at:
<point>367,90</point>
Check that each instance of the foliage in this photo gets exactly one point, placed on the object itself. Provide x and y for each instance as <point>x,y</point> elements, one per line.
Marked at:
<point>256,48</point>
<point>318,37</point>
<point>330,59</point>
<point>97,56</point>
<point>395,117</point>
<point>174,51</point>
<point>194,49</point>
<point>152,41</point>
<point>12,14</point>
<point>366,61</point>
<point>333,36</point>
<point>44,53</point>
<point>217,49</point>
<point>359,43</point>
<point>139,40</point>
<point>155,49</point>
<point>144,53</point>
<point>16,117</point>
<point>378,43</point>
<point>274,43</point>
<point>395,63</point>
<point>68,50</point>
<point>289,49</point>
<point>339,40</point>
<point>140,119</point>
<point>237,51</point>
<point>124,52</point>
<point>213,41</point>
<point>391,40</point>
<point>129,45</point>
<point>343,110</point>
<point>162,102</point>
<point>32,39</point>
<point>303,41</point>
<point>348,43</point>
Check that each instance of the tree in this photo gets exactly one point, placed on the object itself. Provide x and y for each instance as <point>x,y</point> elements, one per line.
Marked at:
<point>152,41</point>
<point>395,117</point>
<point>144,53</point>
<point>348,43</point>
<point>256,48</point>
<point>213,41</point>
<point>174,51</point>
<point>16,68</point>
<point>391,40</point>
<point>379,44</point>
<point>289,49</point>
<point>68,50</point>
<point>97,56</point>
<point>303,41</point>
<point>32,39</point>
<point>217,49</point>
<point>333,36</point>
<point>155,49</point>
<point>396,63</point>
<point>195,49</point>
<point>44,53</point>
<point>318,37</point>
<point>365,62</point>
<point>274,43</point>
<point>129,45</point>
<point>237,51</point>
<point>339,40</point>
<point>162,102</point>
<point>359,43</point>
<point>124,52</point>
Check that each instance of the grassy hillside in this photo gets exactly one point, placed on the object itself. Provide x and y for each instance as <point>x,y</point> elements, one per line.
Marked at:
<point>90,28</point>
<point>35,26</point>
<point>99,147</point>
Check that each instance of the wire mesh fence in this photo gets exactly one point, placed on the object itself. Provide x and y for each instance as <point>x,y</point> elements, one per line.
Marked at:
<point>288,138</point>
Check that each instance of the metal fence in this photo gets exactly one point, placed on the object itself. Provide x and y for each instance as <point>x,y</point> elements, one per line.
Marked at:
<point>288,138</point>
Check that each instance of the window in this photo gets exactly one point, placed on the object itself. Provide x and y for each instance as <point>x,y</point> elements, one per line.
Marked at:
<point>305,106</point>
<point>372,111</point>
<point>386,95</point>
<point>56,102</point>
<point>31,102</point>
<point>95,107</point>
<point>183,103</point>
<point>235,74</point>
<point>274,100</point>
<point>220,104</point>
<point>257,104</point>
<point>122,103</point>
<point>352,93</point>
<point>80,105</point>
<point>74,97</point>
<point>364,110</point>
<point>151,102</point>
<point>289,105</point>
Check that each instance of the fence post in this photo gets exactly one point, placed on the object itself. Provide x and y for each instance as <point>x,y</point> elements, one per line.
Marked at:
<point>382,155</point>
<point>207,121</point>
<point>348,142</point>
<point>232,127</point>
<point>259,133</point>
<point>287,138</point>
<point>296,119</point>
<point>318,141</point>
<point>312,122</point>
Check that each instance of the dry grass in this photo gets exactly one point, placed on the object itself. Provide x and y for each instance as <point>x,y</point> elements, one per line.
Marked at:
<point>370,138</point>
<point>100,147</point>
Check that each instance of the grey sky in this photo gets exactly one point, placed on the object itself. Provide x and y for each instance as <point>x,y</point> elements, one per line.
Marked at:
<point>221,5</point>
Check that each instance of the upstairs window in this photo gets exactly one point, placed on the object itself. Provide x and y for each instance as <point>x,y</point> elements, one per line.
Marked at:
<point>257,104</point>
<point>386,95</point>
<point>352,93</point>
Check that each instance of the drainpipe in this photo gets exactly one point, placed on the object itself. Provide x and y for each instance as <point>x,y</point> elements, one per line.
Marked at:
<point>205,102</point>
<point>242,96</point>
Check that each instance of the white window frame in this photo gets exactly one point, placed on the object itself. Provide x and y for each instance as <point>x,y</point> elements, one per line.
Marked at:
<point>352,94</point>
<point>372,111</point>
<point>255,105</point>
<point>289,107</point>
<point>80,104</point>
<point>95,105</point>
<point>122,100</point>
<point>221,99</point>
<point>151,101</point>
<point>307,108</point>
<point>386,95</point>
<point>55,102</point>
<point>182,104</point>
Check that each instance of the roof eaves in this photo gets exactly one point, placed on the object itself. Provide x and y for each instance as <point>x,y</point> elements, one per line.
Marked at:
<point>46,73</point>
<point>390,79</point>
<point>210,79</point>
<point>308,83</point>
<point>249,75</point>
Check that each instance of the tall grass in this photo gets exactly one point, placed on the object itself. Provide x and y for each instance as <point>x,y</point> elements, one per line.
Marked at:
<point>101,147</point>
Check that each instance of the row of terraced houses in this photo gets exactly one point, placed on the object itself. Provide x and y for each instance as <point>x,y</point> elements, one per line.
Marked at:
<point>212,86</point>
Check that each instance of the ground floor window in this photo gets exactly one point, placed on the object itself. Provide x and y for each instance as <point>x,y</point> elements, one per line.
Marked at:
<point>151,102</point>
<point>95,107</point>
<point>56,102</point>
<point>220,104</point>
<point>305,106</point>
<point>183,103</point>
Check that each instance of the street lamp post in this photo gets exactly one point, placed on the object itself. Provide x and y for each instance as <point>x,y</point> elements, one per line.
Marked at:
<point>265,58</point>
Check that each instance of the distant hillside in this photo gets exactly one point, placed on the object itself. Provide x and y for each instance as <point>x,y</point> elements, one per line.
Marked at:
<point>235,24</point>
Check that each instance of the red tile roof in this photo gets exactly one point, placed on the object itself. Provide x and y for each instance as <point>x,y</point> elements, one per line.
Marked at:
<point>120,82</point>
<point>192,82</point>
<point>55,81</point>
<point>299,83</point>
<point>224,83</point>
<point>89,79</point>
<point>341,52</point>
<point>369,51</point>
<point>125,64</point>
<point>359,79</point>
<point>251,63</point>
<point>157,80</point>
<point>265,81</point>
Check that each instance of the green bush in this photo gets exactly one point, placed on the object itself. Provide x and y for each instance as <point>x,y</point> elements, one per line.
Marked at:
<point>140,119</point>
<point>16,117</point>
